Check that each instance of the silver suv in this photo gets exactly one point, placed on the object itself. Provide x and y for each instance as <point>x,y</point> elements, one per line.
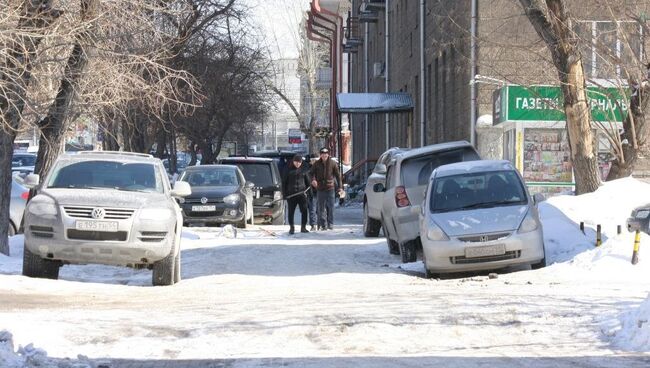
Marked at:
<point>112,208</point>
<point>406,180</point>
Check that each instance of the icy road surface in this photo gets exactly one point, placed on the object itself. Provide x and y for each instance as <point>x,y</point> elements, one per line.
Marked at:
<point>327,299</point>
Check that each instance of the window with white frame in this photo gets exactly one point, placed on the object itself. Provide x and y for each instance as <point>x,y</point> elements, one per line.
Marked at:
<point>608,45</point>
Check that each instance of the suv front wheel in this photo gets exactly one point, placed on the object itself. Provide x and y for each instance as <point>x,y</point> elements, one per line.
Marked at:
<point>164,270</point>
<point>35,266</point>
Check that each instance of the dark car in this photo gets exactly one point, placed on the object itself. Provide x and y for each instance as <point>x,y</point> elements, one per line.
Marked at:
<point>639,220</point>
<point>268,204</point>
<point>281,158</point>
<point>220,195</point>
<point>23,159</point>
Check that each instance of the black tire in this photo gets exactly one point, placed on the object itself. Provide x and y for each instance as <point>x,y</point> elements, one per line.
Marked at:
<point>35,266</point>
<point>163,271</point>
<point>371,226</point>
<point>393,246</point>
<point>242,224</point>
<point>540,264</point>
<point>408,251</point>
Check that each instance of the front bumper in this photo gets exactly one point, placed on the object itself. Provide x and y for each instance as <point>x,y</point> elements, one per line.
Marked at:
<point>224,214</point>
<point>137,242</point>
<point>449,256</point>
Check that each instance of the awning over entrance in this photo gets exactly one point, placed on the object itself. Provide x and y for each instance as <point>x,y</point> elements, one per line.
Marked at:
<point>374,103</point>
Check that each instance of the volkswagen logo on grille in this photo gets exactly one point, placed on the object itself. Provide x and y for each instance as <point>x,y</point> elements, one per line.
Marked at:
<point>484,238</point>
<point>98,213</point>
<point>204,200</point>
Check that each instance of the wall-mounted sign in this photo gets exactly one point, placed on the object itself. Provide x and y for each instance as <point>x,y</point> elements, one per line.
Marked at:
<point>546,103</point>
<point>295,136</point>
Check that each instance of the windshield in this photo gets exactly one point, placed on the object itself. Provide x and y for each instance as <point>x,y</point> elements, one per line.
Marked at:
<point>259,174</point>
<point>477,190</point>
<point>417,171</point>
<point>214,177</point>
<point>128,176</point>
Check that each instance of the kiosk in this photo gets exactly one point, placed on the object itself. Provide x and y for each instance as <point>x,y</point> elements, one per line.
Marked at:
<point>535,136</point>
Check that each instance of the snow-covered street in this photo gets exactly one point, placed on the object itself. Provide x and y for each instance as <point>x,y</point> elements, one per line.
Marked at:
<point>334,299</point>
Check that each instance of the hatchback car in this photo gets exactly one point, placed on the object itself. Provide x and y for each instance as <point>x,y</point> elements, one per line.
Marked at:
<point>406,180</point>
<point>110,208</point>
<point>372,201</point>
<point>268,205</point>
<point>220,195</point>
<point>478,216</point>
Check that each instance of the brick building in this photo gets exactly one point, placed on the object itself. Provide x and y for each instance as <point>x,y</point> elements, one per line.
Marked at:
<point>507,51</point>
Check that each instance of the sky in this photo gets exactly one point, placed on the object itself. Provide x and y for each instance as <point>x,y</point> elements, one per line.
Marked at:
<point>278,21</point>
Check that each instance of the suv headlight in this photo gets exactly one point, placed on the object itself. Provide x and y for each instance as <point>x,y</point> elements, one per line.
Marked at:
<point>155,214</point>
<point>435,233</point>
<point>42,208</point>
<point>231,199</point>
<point>529,224</point>
<point>277,195</point>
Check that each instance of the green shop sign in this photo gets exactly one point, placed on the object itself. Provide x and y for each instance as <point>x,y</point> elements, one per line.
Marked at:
<point>545,103</point>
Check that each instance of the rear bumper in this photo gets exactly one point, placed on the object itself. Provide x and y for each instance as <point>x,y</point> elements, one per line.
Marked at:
<point>269,213</point>
<point>407,225</point>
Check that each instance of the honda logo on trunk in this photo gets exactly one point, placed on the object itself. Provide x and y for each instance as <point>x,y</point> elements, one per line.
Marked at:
<point>484,238</point>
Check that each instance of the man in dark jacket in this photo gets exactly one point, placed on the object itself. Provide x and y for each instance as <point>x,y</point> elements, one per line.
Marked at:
<point>295,183</point>
<point>324,174</point>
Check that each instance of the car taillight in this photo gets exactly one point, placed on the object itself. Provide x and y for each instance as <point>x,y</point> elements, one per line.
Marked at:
<point>25,195</point>
<point>401,199</point>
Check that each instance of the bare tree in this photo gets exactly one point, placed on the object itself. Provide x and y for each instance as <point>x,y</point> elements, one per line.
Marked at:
<point>553,23</point>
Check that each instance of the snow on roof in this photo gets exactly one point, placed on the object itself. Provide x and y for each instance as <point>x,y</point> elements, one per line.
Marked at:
<point>473,167</point>
<point>371,103</point>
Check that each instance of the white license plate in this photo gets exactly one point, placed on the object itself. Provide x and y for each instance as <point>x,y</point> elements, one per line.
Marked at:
<point>486,251</point>
<point>204,208</point>
<point>89,225</point>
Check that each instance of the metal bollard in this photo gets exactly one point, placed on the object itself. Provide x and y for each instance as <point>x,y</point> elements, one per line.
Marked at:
<point>599,238</point>
<point>619,229</point>
<point>582,227</point>
<point>637,243</point>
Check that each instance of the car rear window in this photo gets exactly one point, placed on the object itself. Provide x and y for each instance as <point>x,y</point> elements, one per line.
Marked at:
<point>260,173</point>
<point>416,171</point>
<point>217,177</point>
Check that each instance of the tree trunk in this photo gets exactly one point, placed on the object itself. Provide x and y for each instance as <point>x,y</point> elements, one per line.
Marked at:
<point>35,18</point>
<point>637,152</point>
<point>207,157</point>
<point>173,154</point>
<point>6,153</point>
<point>553,24</point>
<point>193,153</point>
<point>161,142</point>
<point>53,126</point>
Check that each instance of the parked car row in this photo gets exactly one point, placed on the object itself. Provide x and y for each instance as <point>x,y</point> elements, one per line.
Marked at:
<point>461,212</point>
<point>119,208</point>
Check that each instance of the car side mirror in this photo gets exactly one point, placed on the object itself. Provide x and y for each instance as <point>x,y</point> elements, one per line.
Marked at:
<point>378,188</point>
<point>380,169</point>
<point>538,198</point>
<point>250,185</point>
<point>181,189</point>
<point>32,181</point>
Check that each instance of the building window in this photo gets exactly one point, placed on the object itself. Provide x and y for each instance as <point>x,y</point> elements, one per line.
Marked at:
<point>608,45</point>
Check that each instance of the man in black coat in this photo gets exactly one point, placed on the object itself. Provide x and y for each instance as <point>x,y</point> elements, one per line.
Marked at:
<point>295,183</point>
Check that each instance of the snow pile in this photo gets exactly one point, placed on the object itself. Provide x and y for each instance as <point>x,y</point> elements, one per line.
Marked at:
<point>26,357</point>
<point>609,206</point>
